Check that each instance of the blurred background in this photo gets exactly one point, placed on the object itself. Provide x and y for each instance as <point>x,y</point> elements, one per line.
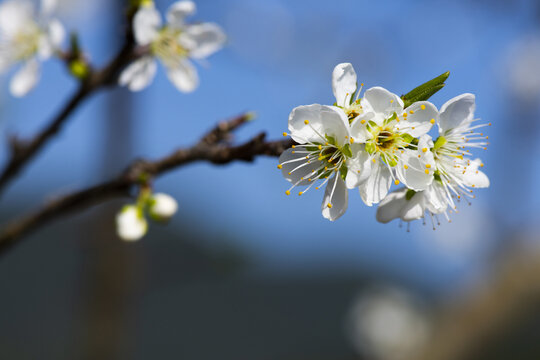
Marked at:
<point>243,271</point>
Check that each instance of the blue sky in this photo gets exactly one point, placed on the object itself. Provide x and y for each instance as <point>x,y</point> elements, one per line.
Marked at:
<point>281,55</point>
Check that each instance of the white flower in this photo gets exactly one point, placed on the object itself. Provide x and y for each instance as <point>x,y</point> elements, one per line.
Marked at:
<point>172,44</point>
<point>455,175</point>
<point>162,207</point>
<point>389,132</point>
<point>27,38</point>
<point>324,156</point>
<point>130,223</point>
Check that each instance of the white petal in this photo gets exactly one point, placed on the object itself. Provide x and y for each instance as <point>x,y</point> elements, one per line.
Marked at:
<point>359,130</point>
<point>382,102</point>
<point>48,6</point>
<point>162,207</point>
<point>139,74</point>
<point>435,198</point>
<point>322,120</point>
<point>184,76</point>
<point>375,188</point>
<point>51,40</point>
<point>25,79</point>
<point>146,24</point>
<point>420,121</point>
<point>415,167</point>
<point>474,177</point>
<point>457,112</point>
<point>130,224</point>
<point>203,40</point>
<point>337,196</point>
<point>14,16</point>
<point>359,167</point>
<point>414,208</point>
<point>179,11</point>
<point>391,206</point>
<point>303,172</point>
<point>343,83</point>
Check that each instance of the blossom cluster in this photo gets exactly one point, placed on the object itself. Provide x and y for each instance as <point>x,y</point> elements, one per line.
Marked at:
<point>372,141</point>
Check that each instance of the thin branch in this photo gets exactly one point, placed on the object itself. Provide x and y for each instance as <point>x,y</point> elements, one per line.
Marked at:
<point>215,152</point>
<point>23,151</point>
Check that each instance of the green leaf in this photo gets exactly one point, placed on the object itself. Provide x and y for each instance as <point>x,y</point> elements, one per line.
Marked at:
<point>425,91</point>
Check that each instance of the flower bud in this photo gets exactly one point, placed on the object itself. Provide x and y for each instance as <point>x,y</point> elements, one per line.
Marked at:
<point>162,207</point>
<point>130,223</point>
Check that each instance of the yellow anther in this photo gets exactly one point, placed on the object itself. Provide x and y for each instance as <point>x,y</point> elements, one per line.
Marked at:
<point>320,147</point>
<point>293,146</point>
<point>351,140</point>
<point>426,171</point>
<point>405,114</point>
<point>279,166</point>
<point>489,124</point>
<point>362,121</point>
<point>477,171</point>
<point>483,148</point>
<point>326,168</point>
<point>391,101</point>
<point>411,112</point>
<point>419,156</point>
<point>432,121</point>
<point>373,160</point>
<point>472,185</point>
<point>405,167</point>
<point>412,127</point>
<point>306,122</point>
<point>481,165</point>
<point>285,134</point>
<point>396,182</point>
<point>329,205</point>
<point>423,107</point>
<point>287,192</point>
<point>362,84</point>
<point>326,143</point>
<point>300,193</point>
<point>428,166</point>
<point>424,149</point>
<point>289,173</point>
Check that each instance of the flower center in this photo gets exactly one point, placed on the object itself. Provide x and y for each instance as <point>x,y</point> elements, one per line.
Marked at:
<point>26,42</point>
<point>167,46</point>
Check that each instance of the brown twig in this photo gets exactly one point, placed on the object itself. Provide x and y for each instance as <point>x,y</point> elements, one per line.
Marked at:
<point>207,149</point>
<point>23,151</point>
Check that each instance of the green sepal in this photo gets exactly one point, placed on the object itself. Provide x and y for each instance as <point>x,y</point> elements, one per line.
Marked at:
<point>312,148</point>
<point>370,148</point>
<point>351,100</point>
<point>331,140</point>
<point>407,138</point>
<point>409,194</point>
<point>393,117</point>
<point>346,150</point>
<point>343,171</point>
<point>425,91</point>
<point>437,176</point>
<point>440,142</point>
<point>389,160</point>
<point>372,127</point>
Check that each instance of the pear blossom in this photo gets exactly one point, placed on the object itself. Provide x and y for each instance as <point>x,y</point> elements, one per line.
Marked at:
<point>324,155</point>
<point>172,44</point>
<point>130,223</point>
<point>389,134</point>
<point>27,37</point>
<point>162,207</point>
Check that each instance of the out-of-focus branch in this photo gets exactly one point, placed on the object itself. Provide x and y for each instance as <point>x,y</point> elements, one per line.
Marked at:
<point>23,151</point>
<point>211,148</point>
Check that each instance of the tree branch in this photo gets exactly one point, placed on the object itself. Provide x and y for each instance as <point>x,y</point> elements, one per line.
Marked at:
<point>23,151</point>
<point>210,148</point>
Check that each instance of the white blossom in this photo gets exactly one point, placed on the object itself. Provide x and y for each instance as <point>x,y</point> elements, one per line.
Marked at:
<point>173,44</point>
<point>162,207</point>
<point>130,223</point>
<point>27,37</point>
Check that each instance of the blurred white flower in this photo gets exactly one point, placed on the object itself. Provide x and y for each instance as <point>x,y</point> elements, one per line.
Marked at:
<point>27,37</point>
<point>162,207</point>
<point>173,44</point>
<point>130,223</point>
<point>387,324</point>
